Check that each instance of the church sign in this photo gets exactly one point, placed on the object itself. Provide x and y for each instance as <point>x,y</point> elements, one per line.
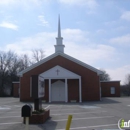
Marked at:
<point>37,86</point>
<point>41,86</point>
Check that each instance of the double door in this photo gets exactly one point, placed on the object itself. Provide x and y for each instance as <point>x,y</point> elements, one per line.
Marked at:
<point>58,91</point>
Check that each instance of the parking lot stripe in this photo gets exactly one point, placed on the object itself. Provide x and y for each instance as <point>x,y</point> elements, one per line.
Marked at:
<point>62,106</point>
<point>64,109</point>
<point>84,118</point>
<point>9,116</point>
<point>47,107</point>
<point>10,112</point>
<point>89,127</point>
<point>17,106</point>
<point>10,123</point>
<point>79,113</point>
<point>6,106</point>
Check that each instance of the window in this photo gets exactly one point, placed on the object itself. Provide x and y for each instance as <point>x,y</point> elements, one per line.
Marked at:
<point>112,90</point>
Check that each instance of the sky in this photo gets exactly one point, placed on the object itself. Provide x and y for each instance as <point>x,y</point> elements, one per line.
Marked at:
<point>96,32</point>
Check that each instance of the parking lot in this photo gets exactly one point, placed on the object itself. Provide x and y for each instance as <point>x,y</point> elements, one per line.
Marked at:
<point>98,115</point>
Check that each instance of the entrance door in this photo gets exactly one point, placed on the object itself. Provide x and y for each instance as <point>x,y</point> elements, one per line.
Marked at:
<point>58,91</point>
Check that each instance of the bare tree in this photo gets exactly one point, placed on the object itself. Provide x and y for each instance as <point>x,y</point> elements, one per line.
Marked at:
<point>125,89</point>
<point>24,62</point>
<point>37,55</point>
<point>10,65</point>
<point>8,68</point>
<point>105,76</point>
<point>127,79</point>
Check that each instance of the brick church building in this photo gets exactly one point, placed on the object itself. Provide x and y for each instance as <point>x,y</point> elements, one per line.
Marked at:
<point>66,79</point>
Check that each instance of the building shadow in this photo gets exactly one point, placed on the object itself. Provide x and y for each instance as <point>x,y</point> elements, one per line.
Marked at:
<point>48,125</point>
<point>110,100</point>
<point>102,101</point>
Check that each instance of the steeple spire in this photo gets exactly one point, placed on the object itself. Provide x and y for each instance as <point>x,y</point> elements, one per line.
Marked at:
<point>59,30</point>
<point>59,47</point>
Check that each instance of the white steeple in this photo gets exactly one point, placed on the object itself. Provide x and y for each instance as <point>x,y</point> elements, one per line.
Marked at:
<point>59,47</point>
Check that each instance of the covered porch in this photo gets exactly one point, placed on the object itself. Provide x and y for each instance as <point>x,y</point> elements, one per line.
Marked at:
<point>59,82</point>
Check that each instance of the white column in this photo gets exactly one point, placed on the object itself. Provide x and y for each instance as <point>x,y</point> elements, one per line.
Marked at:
<point>66,91</point>
<point>80,90</point>
<point>49,90</point>
<point>100,90</point>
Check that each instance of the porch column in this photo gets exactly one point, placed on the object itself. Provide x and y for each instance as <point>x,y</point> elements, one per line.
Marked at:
<point>66,91</point>
<point>49,90</point>
<point>100,90</point>
<point>80,90</point>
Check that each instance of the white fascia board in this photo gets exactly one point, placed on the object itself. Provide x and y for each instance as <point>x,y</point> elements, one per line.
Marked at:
<point>62,78</point>
<point>37,64</point>
<point>99,72</point>
<point>63,55</point>
<point>111,81</point>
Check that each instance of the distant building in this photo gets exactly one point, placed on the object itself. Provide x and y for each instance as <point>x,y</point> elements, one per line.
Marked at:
<point>66,79</point>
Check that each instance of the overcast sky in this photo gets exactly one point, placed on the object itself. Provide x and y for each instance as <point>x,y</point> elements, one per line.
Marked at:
<point>96,32</point>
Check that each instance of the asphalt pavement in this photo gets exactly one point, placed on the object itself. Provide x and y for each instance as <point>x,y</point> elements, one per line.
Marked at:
<point>96,115</point>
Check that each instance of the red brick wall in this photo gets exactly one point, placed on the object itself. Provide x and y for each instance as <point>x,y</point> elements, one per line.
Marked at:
<point>89,79</point>
<point>106,89</point>
<point>15,89</point>
<point>73,90</point>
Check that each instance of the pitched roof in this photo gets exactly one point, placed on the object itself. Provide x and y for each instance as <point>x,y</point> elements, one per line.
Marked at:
<point>63,55</point>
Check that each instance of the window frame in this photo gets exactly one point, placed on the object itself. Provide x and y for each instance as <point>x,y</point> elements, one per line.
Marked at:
<point>113,90</point>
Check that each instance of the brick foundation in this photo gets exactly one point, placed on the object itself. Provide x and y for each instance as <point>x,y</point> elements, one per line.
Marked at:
<point>38,118</point>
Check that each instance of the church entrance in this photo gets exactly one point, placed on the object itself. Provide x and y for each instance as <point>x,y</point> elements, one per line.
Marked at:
<point>58,91</point>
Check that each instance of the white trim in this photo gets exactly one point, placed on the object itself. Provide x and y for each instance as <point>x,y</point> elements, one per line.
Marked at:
<point>80,90</point>
<point>63,55</point>
<point>111,81</point>
<point>49,90</point>
<point>66,90</point>
<point>30,86</point>
<point>68,73</point>
<point>100,91</point>
<point>16,82</point>
<point>64,73</point>
<point>61,78</point>
<point>112,90</point>
<point>20,88</point>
